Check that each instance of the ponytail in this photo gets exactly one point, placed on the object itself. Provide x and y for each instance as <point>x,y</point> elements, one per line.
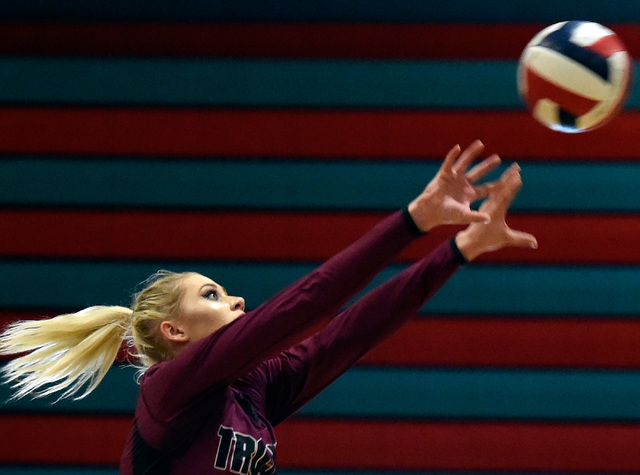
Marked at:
<point>70,351</point>
<point>64,353</point>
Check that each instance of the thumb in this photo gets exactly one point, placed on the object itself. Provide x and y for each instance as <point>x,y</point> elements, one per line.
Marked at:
<point>477,217</point>
<point>522,239</point>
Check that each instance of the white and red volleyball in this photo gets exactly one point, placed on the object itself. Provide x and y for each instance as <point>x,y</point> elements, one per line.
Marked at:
<point>574,76</point>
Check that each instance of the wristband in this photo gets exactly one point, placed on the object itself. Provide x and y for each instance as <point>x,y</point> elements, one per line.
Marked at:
<point>456,252</point>
<point>411,224</point>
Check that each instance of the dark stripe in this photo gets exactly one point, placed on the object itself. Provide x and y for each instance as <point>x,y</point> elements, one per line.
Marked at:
<point>515,341</point>
<point>303,133</point>
<point>276,40</point>
<point>281,40</point>
<point>300,185</point>
<point>512,342</point>
<point>88,470</point>
<point>402,11</point>
<point>59,439</point>
<point>304,236</point>
<point>480,289</point>
<point>418,393</point>
<point>497,446</point>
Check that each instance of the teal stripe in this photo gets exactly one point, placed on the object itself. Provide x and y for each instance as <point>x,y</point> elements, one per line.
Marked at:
<point>318,83</point>
<point>482,394</point>
<point>304,184</point>
<point>116,394</point>
<point>195,82</point>
<point>422,394</point>
<point>478,289</point>
<point>323,10</point>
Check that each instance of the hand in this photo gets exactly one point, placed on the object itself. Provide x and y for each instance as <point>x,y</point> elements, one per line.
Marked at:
<point>479,238</point>
<point>448,196</point>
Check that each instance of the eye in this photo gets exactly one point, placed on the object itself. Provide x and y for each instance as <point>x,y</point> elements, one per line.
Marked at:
<point>211,295</point>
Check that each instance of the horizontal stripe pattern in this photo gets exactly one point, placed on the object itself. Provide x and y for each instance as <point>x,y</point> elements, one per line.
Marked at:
<point>486,289</point>
<point>420,394</point>
<point>405,11</point>
<point>303,133</point>
<point>46,470</point>
<point>276,40</point>
<point>248,141</point>
<point>292,236</point>
<point>462,446</point>
<point>502,41</point>
<point>263,83</point>
<point>289,185</point>
<point>507,342</point>
<point>266,83</point>
<point>409,446</point>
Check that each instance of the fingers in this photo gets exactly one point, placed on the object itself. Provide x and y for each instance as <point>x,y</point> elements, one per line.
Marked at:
<point>484,167</point>
<point>469,155</point>
<point>513,182</point>
<point>450,159</point>
<point>503,191</point>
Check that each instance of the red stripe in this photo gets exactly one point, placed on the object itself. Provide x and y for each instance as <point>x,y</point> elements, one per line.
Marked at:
<point>269,40</point>
<point>281,40</point>
<point>379,445</point>
<point>303,133</point>
<point>59,439</point>
<point>512,342</point>
<point>397,445</point>
<point>495,342</point>
<point>288,236</point>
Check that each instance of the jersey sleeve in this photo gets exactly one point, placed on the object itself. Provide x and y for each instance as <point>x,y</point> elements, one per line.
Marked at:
<point>300,373</point>
<point>234,350</point>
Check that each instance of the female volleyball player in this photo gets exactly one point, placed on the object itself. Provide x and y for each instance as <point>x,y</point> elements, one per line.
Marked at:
<point>218,379</point>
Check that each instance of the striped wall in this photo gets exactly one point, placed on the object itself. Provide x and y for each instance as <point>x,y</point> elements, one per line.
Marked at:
<point>251,140</point>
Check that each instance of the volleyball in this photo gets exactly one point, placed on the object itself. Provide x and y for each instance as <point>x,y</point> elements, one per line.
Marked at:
<point>574,76</point>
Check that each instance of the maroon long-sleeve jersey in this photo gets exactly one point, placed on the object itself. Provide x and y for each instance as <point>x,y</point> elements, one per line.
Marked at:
<point>212,408</point>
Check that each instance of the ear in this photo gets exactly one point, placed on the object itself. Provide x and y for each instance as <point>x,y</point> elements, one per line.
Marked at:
<point>173,332</point>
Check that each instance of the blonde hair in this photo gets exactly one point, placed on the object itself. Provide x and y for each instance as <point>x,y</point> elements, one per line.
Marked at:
<point>71,351</point>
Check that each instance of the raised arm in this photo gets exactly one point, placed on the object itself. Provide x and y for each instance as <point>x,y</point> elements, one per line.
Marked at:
<point>445,200</point>
<point>303,371</point>
<point>241,345</point>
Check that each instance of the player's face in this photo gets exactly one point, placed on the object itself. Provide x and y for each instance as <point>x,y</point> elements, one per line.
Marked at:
<point>205,306</point>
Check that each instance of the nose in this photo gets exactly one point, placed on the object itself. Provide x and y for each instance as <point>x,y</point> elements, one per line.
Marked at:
<point>237,303</point>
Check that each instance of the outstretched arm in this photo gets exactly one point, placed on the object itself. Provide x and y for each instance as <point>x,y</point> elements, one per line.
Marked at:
<point>238,347</point>
<point>445,200</point>
<point>303,371</point>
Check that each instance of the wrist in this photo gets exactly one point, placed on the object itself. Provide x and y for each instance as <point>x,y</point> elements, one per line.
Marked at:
<point>468,247</point>
<point>417,210</point>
